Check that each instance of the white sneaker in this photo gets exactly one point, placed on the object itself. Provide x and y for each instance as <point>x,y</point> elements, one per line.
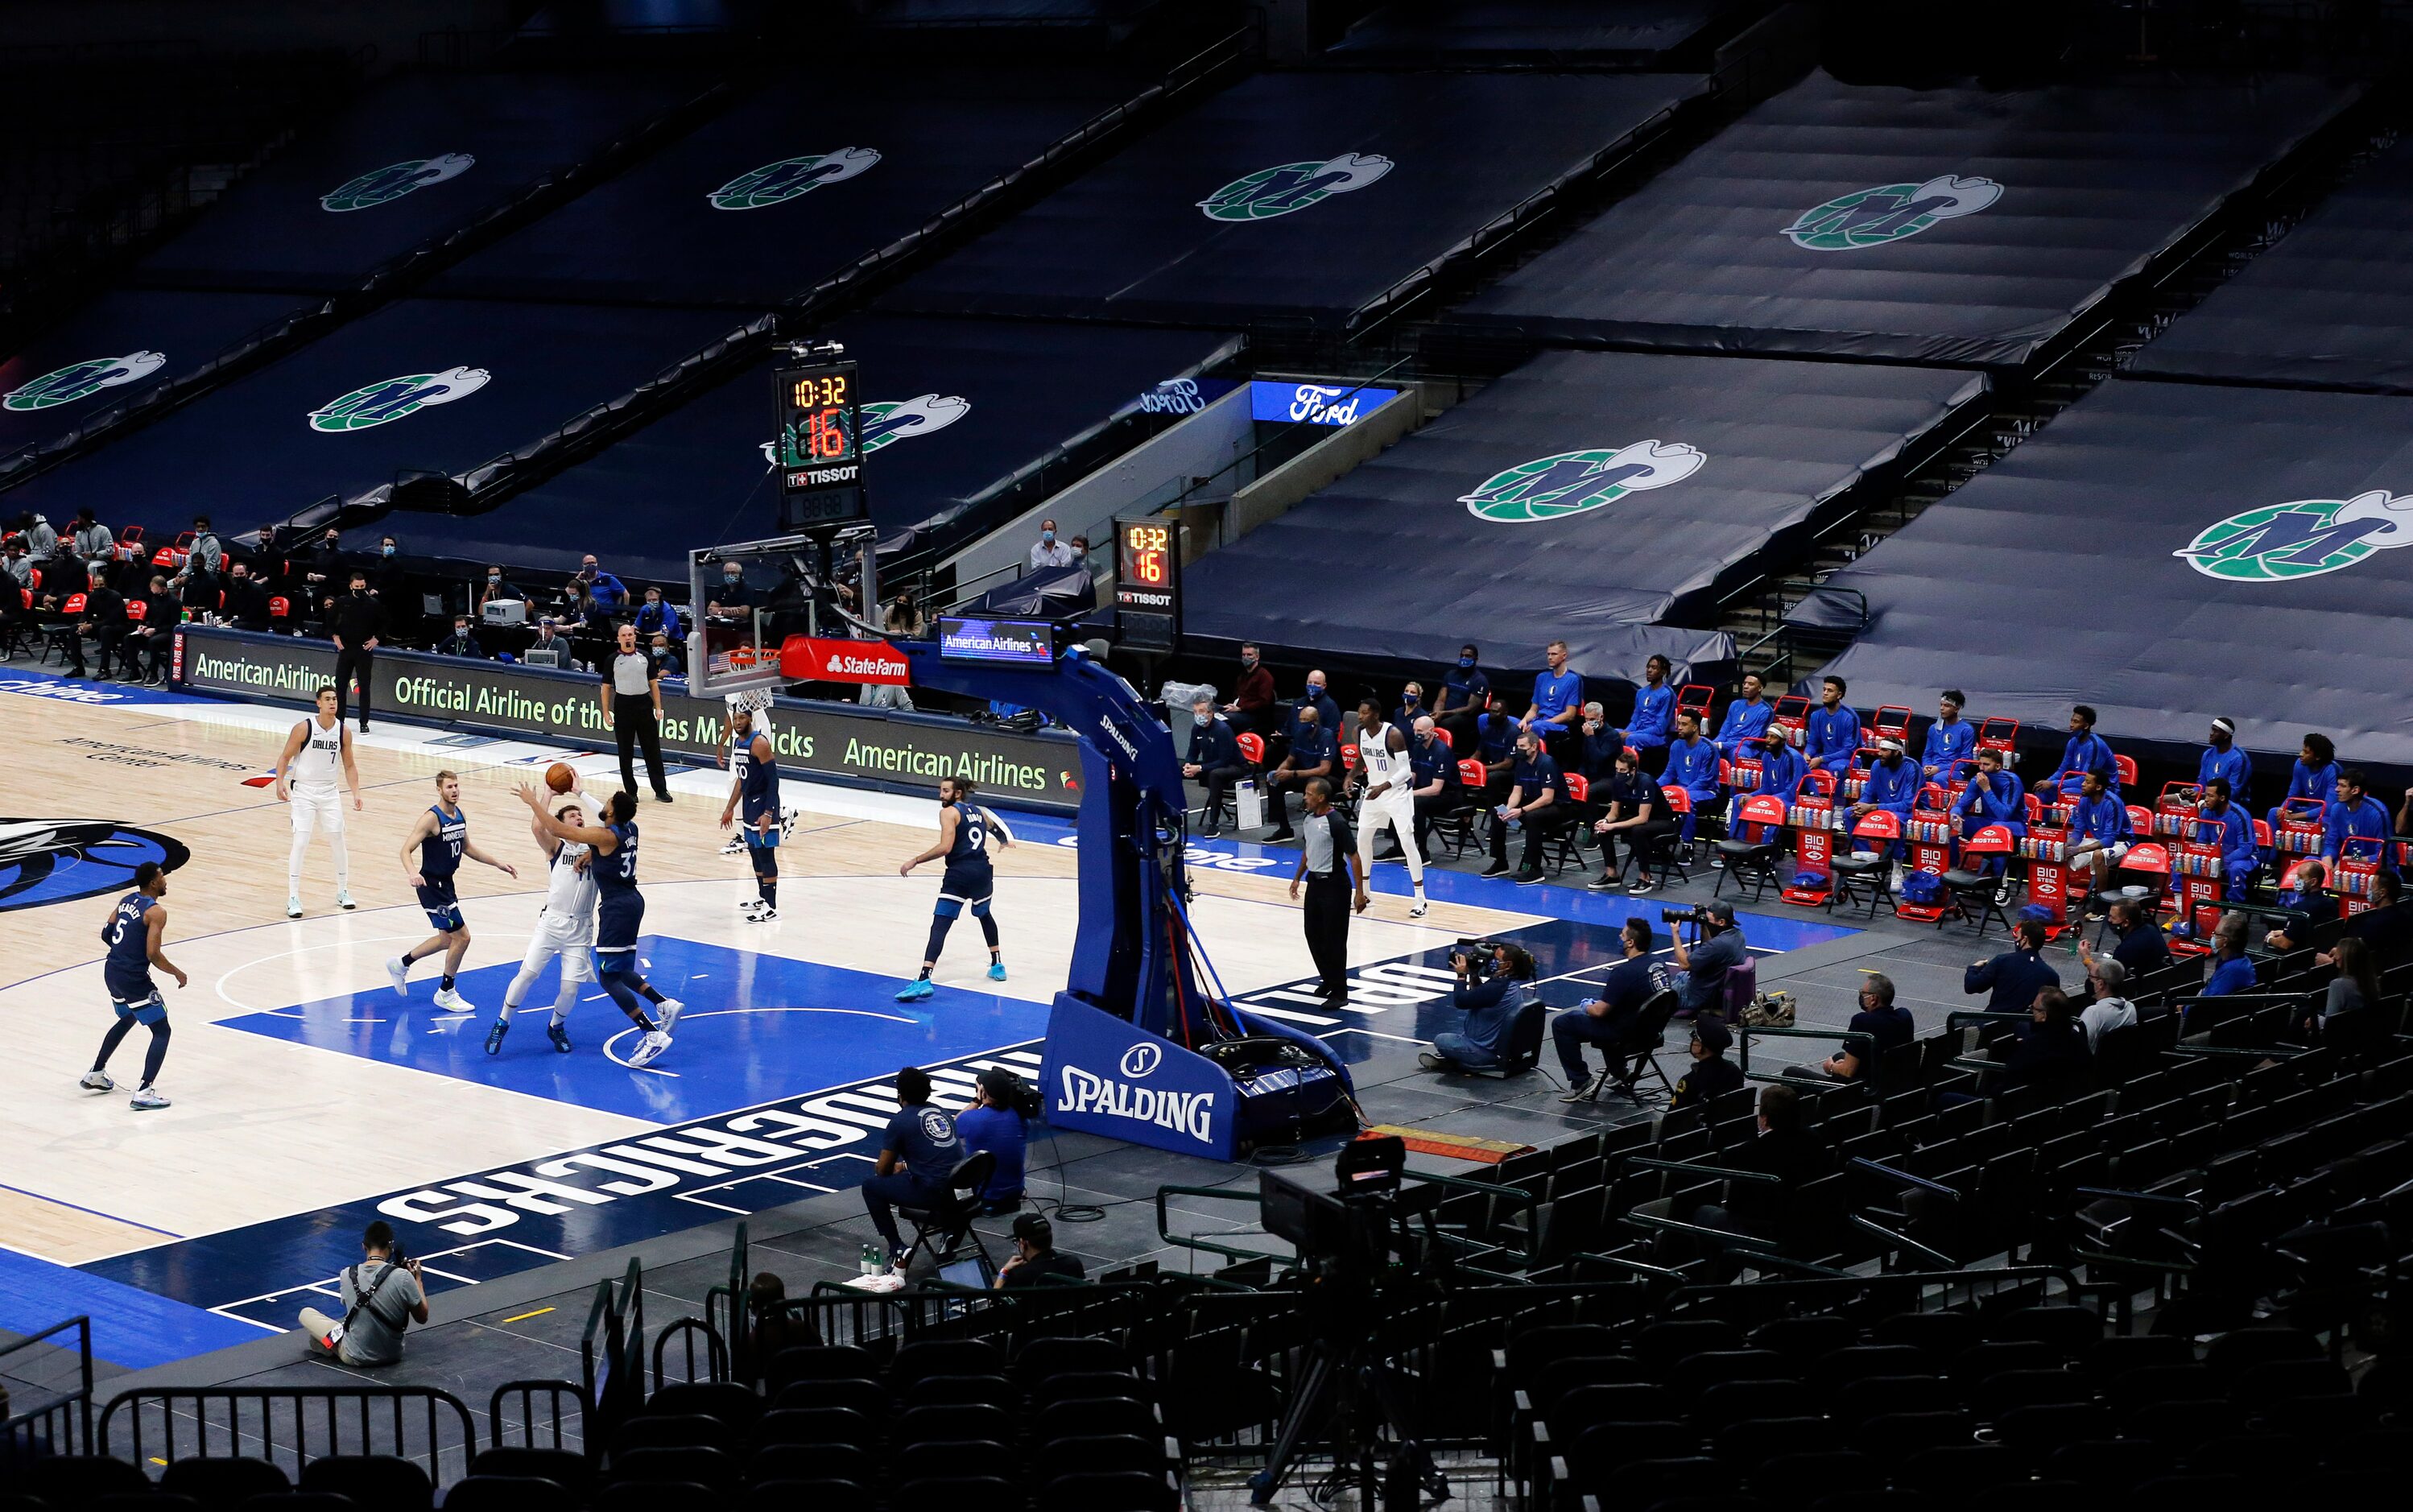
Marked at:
<point>736,846</point>
<point>1416,909</point>
<point>344,898</point>
<point>650,1047</point>
<point>397,972</point>
<point>147,1099</point>
<point>788,818</point>
<point>292,906</point>
<point>759,912</point>
<point>671,1008</point>
<point>97,1081</point>
<point>453,1002</point>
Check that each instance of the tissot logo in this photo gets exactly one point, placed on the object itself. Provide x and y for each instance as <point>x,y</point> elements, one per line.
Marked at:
<point>383,186</point>
<point>81,380</point>
<point>391,399</point>
<point>775,183</point>
<point>1286,187</point>
<point>2302,537</point>
<point>1889,212</point>
<point>1141,1059</point>
<point>56,860</point>
<point>1570,482</point>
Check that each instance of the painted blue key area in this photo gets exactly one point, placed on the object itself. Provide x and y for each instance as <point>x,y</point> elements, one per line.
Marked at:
<point>756,1027</point>
<point>130,1327</point>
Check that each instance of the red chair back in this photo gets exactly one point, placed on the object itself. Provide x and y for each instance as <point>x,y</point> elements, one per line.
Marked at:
<point>129,535</point>
<point>1349,756</point>
<point>281,607</point>
<point>1577,785</point>
<point>1679,801</point>
<point>1890,720</point>
<point>1443,735</point>
<point>1820,781</point>
<point>1473,772</point>
<point>1696,697</point>
<point>138,609</point>
<point>1253,745</point>
<point>74,604</point>
<point>35,577</point>
<point>2127,768</point>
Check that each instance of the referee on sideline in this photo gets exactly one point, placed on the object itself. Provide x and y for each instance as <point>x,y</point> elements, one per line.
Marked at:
<point>1329,862</point>
<point>633,707</point>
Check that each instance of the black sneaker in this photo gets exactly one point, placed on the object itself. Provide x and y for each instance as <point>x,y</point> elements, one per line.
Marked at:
<point>1579,1090</point>
<point>1528,878</point>
<point>1642,884</point>
<point>661,797</point>
<point>1435,1063</point>
<point>1604,882</point>
<point>1282,833</point>
<point>1497,868</point>
<point>559,1036</point>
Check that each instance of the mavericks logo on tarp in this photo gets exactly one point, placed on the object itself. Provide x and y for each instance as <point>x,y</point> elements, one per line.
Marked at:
<point>778,183</point>
<point>1889,212</point>
<point>1287,186</point>
<point>1570,482</point>
<point>389,399</point>
<point>897,420</point>
<point>57,860</point>
<point>81,380</point>
<point>386,184</point>
<point>2303,538</point>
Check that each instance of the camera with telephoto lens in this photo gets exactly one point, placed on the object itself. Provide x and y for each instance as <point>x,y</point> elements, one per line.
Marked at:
<point>1477,954</point>
<point>1697,914</point>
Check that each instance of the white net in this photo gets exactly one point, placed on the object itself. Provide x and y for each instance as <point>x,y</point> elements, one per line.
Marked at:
<point>751,700</point>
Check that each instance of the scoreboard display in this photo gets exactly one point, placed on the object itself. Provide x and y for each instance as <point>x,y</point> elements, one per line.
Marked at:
<point>1148,581</point>
<point>819,446</point>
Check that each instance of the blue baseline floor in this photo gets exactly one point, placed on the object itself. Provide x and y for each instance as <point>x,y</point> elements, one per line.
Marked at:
<point>756,1027</point>
<point>130,1327</point>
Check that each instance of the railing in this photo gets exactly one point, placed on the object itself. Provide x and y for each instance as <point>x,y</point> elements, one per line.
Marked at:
<point>527,1394</point>
<point>292,1425</point>
<point>716,1352</point>
<point>61,1424</point>
<point>725,1312</point>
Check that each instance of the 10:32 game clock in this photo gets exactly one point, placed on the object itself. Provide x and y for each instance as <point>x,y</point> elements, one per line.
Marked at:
<point>819,448</point>
<point>1148,581</point>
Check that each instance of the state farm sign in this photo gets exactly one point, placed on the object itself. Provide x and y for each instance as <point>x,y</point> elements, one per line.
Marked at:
<point>807,658</point>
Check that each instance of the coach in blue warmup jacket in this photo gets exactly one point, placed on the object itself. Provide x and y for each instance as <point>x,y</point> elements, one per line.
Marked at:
<point>2086,752</point>
<point>2222,759</point>
<point>2239,854</point>
<point>1950,739</point>
<point>1746,719</point>
<point>1832,732</point>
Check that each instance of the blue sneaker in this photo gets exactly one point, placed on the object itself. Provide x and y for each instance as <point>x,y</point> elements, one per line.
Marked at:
<point>997,971</point>
<point>559,1036</point>
<point>916,991</point>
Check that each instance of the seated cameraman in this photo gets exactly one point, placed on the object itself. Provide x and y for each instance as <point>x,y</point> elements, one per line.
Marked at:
<point>382,1298</point>
<point>1490,999</point>
<point>1607,1020</point>
<point>994,1121</point>
<point>1701,988</point>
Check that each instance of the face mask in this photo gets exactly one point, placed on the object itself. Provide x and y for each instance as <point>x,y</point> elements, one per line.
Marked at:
<point>730,577</point>
<point>494,577</point>
<point>1466,661</point>
<point>1409,699</point>
<point>1048,536</point>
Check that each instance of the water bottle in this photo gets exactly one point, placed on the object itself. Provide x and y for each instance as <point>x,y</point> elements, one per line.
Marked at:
<point>871,1263</point>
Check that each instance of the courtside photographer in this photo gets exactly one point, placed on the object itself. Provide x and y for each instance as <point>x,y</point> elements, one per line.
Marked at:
<point>382,1296</point>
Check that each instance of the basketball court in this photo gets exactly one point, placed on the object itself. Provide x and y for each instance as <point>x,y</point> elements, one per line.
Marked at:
<point>308,1098</point>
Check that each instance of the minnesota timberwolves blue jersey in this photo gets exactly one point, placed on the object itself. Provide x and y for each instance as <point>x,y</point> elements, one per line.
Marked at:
<point>970,850</point>
<point>758,791</point>
<point>616,875</point>
<point>127,968</point>
<point>439,855</point>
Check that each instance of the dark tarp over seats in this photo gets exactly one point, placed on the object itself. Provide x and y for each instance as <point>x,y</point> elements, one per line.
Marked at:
<point>120,345</point>
<point>978,403</point>
<point>810,173</point>
<point>2330,307</point>
<point>2055,576</point>
<point>1483,526</point>
<point>1993,220</point>
<point>284,225</point>
<point>1363,180</point>
<point>251,451</point>
<point>1506,32</point>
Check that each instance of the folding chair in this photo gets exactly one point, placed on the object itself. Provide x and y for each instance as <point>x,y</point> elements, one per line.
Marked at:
<point>1754,861</point>
<point>1473,775</point>
<point>1638,1049</point>
<point>1856,873</point>
<point>1559,852</point>
<point>949,1220</point>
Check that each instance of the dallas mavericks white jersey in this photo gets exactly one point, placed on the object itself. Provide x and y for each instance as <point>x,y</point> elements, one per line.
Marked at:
<point>318,765</point>
<point>570,897</point>
<point>1383,764</point>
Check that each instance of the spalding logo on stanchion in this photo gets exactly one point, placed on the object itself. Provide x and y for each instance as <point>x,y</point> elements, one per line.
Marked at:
<point>1105,1076</point>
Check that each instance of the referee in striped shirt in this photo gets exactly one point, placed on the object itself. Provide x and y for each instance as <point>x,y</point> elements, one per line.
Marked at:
<point>633,707</point>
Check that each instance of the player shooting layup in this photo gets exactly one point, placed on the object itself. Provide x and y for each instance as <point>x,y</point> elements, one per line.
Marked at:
<point>135,931</point>
<point>431,858</point>
<point>619,909</point>
<point>1390,789</point>
<point>566,930</point>
<point>315,753</point>
<point>963,838</point>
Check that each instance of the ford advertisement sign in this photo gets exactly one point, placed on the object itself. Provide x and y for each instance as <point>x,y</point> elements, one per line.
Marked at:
<point>1316,404</point>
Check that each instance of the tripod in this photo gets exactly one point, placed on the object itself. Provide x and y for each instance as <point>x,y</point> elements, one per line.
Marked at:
<point>1363,1394</point>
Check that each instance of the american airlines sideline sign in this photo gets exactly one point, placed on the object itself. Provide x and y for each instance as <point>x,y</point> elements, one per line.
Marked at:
<point>1040,769</point>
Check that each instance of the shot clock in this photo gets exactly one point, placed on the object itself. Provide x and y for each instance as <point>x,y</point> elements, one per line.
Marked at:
<point>1148,581</point>
<point>819,446</point>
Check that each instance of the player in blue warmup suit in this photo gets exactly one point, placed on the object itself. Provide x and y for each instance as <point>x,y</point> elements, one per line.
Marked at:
<point>2314,775</point>
<point>1832,732</point>
<point>2238,855</point>
<point>1746,719</point>
<point>619,912</point>
<point>964,829</point>
<point>431,859</point>
<point>1648,730</point>
<point>1951,739</point>
<point>135,931</point>
<point>2085,752</point>
<point>2357,817</point>
<point>1992,796</point>
<point>2222,759</point>
<point>754,771</point>
<point>1892,784</point>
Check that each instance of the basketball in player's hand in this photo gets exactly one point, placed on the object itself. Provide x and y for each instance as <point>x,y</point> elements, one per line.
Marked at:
<point>560,778</point>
